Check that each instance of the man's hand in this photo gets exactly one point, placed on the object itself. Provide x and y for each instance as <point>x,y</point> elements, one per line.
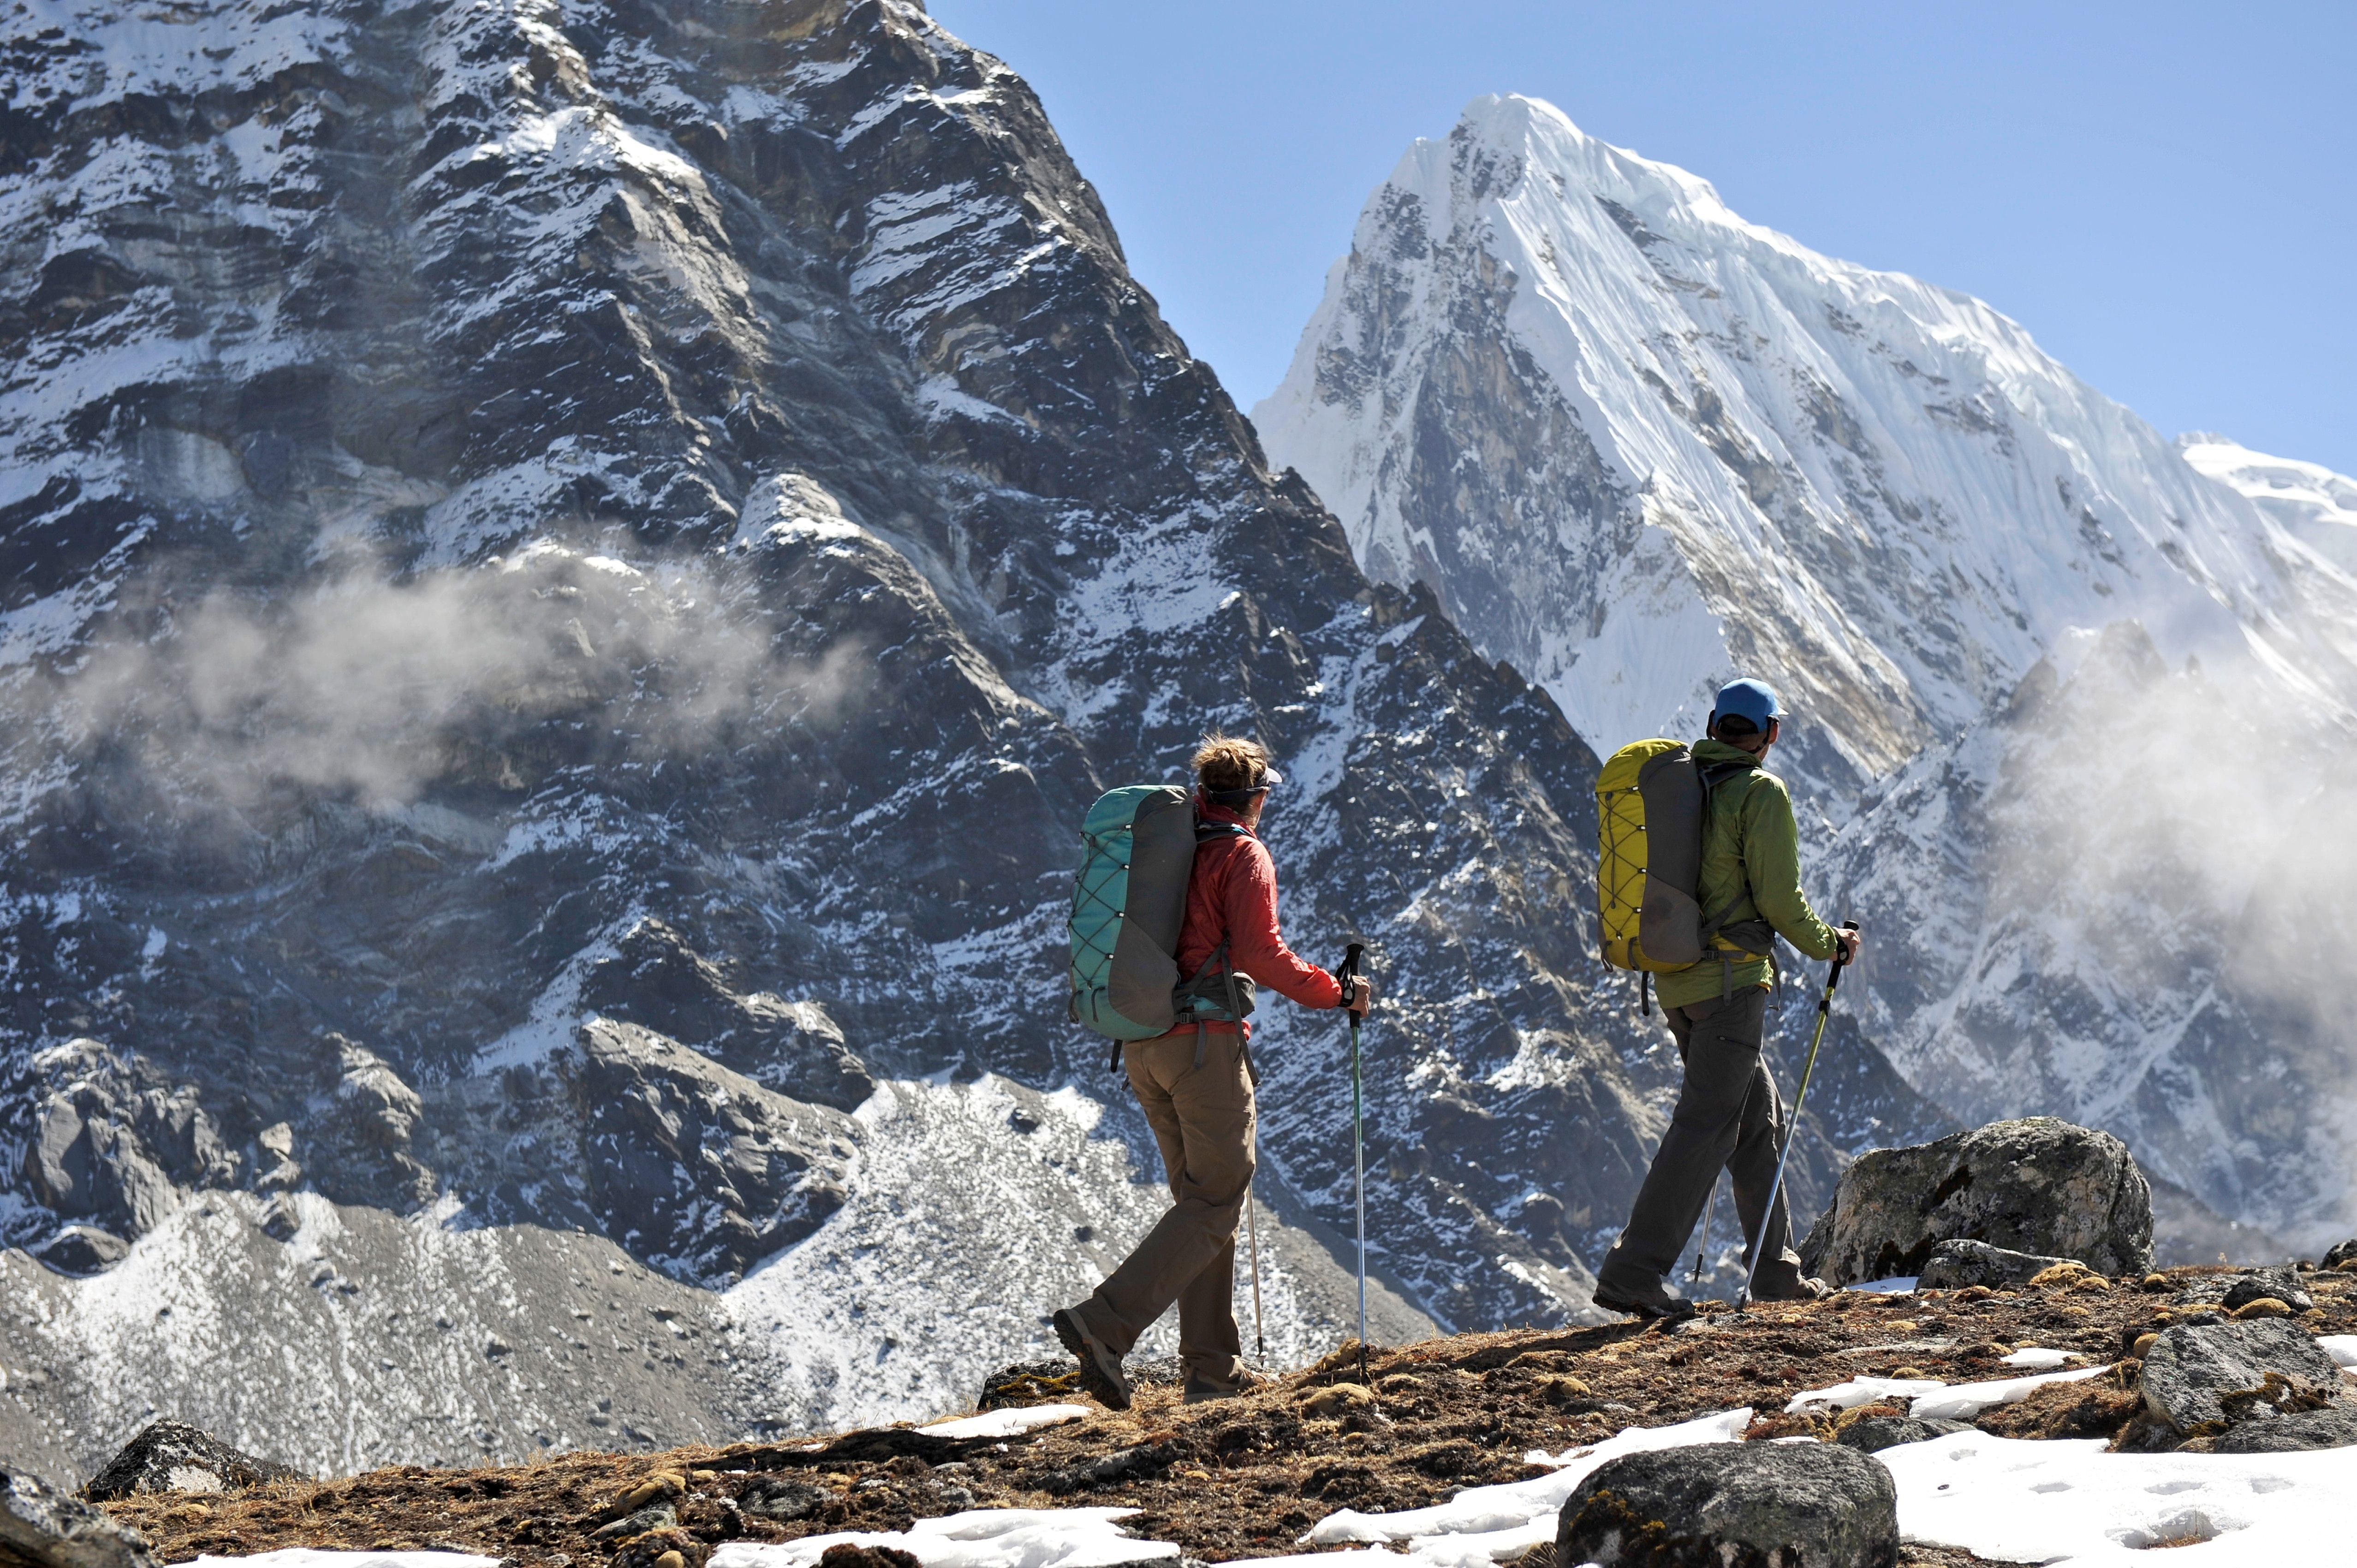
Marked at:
<point>1358,995</point>
<point>1846,944</point>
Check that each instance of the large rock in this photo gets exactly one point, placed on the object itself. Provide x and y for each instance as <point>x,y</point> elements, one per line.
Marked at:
<point>2334,1426</point>
<point>1791,1505</point>
<point>1874,1433</point>
<point>173,1457</point>
<point>2282,1284</point>
<point>1955,1264</point>
<point>2038,1186</point>
<point>2202,1378</point>
<point>42,1526</point>
<point>81,1251</point>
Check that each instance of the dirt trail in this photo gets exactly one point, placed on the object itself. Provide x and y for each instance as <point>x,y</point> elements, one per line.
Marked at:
<point>1244,1478</point>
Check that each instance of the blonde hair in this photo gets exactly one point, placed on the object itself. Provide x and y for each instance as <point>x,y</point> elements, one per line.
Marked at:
<point>1229,762</point>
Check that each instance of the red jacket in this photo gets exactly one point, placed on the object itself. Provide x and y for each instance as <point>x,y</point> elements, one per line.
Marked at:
<point>1231,897</point>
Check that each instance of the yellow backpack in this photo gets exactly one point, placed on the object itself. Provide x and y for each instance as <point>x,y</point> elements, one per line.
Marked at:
<point>1651,801</point>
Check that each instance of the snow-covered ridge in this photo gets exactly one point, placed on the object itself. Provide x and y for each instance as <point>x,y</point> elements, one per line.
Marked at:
<point>1631,440</point>
<point>2317,505</point>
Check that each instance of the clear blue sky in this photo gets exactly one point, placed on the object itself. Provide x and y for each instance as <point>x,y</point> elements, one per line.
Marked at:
<point>2165,194</point>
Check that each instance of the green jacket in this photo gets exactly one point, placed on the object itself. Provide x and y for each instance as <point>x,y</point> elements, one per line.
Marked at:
<point>1751,859</point>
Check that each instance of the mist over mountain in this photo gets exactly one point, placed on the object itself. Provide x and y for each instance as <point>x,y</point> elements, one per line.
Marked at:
<point>2072,707</point>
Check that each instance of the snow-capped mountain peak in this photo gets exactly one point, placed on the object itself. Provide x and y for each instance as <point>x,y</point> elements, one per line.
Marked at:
<point>1731,451</point>
<point>1637,445</point>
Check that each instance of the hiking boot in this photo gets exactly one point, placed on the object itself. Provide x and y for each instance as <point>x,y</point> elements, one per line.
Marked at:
<point>1800,1287</point>
<point>1650,1303</point>
<point>1101,1374</point>
<point>1201,1391</point>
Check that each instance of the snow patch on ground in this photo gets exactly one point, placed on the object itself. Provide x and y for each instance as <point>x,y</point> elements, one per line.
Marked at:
<point>316,1557</point>
<point>1011,1423</point>
<point>986,1538</point>
<point>1963,1402</point>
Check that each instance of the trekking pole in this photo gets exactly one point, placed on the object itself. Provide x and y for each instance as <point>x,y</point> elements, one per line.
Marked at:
<point>1707,1216</point>
<point>1349,973</point>
<point>1251,1230</point>
<point>1768,1215</point>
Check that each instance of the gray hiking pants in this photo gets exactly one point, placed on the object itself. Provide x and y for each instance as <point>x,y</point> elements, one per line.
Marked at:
<point>1728,1117</point>
<point>1203,1118</point>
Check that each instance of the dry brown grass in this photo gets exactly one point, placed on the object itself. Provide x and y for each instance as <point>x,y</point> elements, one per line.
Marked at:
<point>1241,1478</point>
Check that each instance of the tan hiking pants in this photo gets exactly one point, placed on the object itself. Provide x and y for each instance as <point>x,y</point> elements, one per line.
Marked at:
<point>1204,1119</point>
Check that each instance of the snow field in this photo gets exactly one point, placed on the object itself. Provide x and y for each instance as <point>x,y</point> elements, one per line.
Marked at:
<point>2014,1500</point>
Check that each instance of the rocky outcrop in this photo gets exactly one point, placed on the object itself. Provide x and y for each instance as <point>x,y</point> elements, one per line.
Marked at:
<point>628,1134</point>
<point>356,1142</point>
<point>81,1249</point>
<point>109,1139</point>
<point>689,1160</point>
<point>1805,1505</point>
<point>2331,1426</point>
<point>2038,1186</point>
<point>173,1457</point>
<point>654,978</point>
<point>43,1527</point>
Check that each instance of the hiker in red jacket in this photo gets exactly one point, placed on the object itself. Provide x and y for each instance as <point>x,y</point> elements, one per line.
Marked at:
<point>1195,1084</point>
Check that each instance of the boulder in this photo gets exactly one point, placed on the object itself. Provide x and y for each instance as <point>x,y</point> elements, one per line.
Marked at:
<point>2334,1426</point>
<point>1873,1434</point>
<point>2342,1253</point>
<point>1797,1505</point>
<point>2203,1379</point>
<point>783,1497</point>
<point>1953,1266</point>
<point>2038,1186</point>
<point>81,1251</point>
<point>2260,1283</point>
<point>43,1526</point>
<point>173,1457</point>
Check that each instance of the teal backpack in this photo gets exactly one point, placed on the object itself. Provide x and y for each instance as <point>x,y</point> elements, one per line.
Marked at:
<point>1129,899</point>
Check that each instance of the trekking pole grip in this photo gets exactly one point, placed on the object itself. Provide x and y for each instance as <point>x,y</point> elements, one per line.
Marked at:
<point>1841,959</point>
<point>1350,970</point>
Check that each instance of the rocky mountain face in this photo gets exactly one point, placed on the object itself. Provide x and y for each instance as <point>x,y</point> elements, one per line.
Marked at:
<point>571,568</point>
<point>2066,700</point>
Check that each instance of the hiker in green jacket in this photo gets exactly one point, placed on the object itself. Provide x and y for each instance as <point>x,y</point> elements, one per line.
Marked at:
<point>1728,1114</point>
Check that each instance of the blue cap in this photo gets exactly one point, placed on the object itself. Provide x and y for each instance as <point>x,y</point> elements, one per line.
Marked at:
<point>1747,698</point>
